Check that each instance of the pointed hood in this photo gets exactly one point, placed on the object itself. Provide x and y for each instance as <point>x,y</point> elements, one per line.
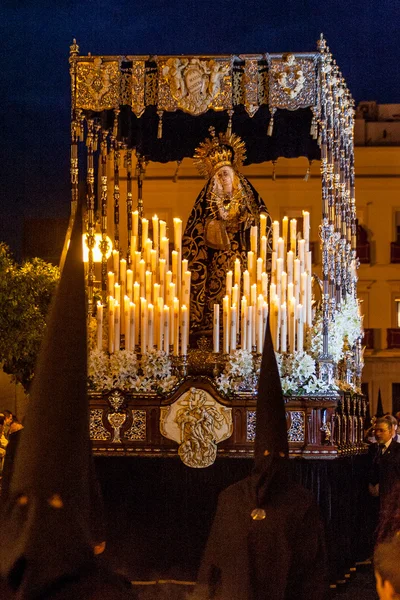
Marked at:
<point>46,529</point>
<point>379,408</point>
<point>271,443</point>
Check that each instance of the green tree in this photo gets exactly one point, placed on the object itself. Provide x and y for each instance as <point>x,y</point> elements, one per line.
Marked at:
<point>25,295</point>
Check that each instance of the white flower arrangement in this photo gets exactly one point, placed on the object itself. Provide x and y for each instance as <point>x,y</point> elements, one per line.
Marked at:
<point>124,369</point>
<point>239,374</point>
<point>343,330</point>
<point>99,374</point>
<point>298,374</point>
<point>156,371</point>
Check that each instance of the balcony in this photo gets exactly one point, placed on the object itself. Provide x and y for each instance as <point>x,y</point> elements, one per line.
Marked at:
<point>363,253</point>
<point>393,337</point>
<point>395,252</point>
<point>368,339</point>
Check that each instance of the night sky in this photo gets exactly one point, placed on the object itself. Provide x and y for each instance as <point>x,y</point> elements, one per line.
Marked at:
<point>36,35</point>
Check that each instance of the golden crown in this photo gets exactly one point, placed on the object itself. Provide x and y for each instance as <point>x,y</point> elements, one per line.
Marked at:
<point>216,152</point>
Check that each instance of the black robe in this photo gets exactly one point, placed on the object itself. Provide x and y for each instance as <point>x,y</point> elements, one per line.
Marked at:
<point>279,558</point>
<point>385,468</point>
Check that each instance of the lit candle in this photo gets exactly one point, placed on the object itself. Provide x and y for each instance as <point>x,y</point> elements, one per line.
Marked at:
<point>285,222</point>
<point>289,268</point>
<point>293,234</point>
<point>142,276</point>
<point>229,279</point>
<point>184,330</point>
<point>259,324</point>
<point>233,324</point>
<point>177,234</point>
<point>166,328</point>
<point>237,272</point>
<point>273,266</point>
<point>111,281</point>
<point>186,288</point>
<point>216,328</point>
<point>265,320</point>
<point>150,326</point>
<point>143,325</point>
<point>99,318</point>
<point>296,279</point>
<point>129,283</point>
<point>117,336</point>
<point>301,251</point>
<point>122,278</point>
<point>133,245</point>
<point>163,229</point>
<point>263,224</point>
<point>281,247</point>
<point>249,328</point>
<point>132,323</point>
<point>175,266</point>
<point>251,266</point>
<point>176,327</point>
<point>136,301</point>
<point>309,262</point>
<point>246,284</point>
<point>225,324</point>
<point>153,262</point>
<point>111,324</point>
<point>127,309</point>
<point>155,231</point>
<point>243,328</point>
<point>165,251</point>
<point>309,300</point>
<point>283,286</point>
<point>283,328</point>
<point>253,294</point>
<point>148,245</point>
<point>117,292</point>
<point>160,323</point>
<point>235,294</point>
<point>275,235</point>
<point>264,284</point>
<point>259,273</point>
<point>156,293</point>
<point>148,285</point>
<point>253,239</point>
<point>162,271</point>
<point>122,272</point>
<point>306,228</point>
<point>263,251</point>
<point>299,328</point>
<point>303,293</point>
<point>145,231</point>
<point>115,256</point>
<point>290,290</point>
<point>292,323</point>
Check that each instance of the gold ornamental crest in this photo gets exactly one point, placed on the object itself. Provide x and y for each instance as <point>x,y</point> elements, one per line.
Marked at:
<point>197,423</point>
<point>97,84</point>
<point>194,85</point>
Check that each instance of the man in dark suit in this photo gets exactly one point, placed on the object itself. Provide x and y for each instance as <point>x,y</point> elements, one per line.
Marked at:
<point>385,470</point>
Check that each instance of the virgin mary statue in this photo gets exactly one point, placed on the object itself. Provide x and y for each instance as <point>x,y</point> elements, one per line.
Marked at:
<point>218,228</point>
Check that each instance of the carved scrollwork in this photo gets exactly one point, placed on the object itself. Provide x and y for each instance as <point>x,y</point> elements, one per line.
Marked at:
<point>96,427</point>
<point>194,85</point>
<point>137,431</point>
<point>97,84</point>
<point>296,432</point>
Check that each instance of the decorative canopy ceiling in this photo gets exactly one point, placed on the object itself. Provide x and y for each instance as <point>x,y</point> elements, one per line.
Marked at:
<point>163,106</point>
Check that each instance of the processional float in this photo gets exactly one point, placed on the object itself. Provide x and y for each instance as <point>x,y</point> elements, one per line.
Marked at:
<point>162,383</point>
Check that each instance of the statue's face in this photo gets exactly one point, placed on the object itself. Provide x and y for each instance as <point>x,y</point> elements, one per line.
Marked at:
<point>224,177</point>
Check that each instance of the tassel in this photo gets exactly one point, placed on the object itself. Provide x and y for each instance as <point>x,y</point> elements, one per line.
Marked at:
<point>229,128</point>
<point>273,170</point>
<point>271,122</point>
<point>160,124</point>
<point>178,164</point>
<point>115,125</point>
<point>308,172</point>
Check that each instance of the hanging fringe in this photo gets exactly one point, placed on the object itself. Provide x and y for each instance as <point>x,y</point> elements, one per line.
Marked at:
<point>175,177</point>
<point>308,172</point>
<point>115,125</point>
<point>229,128</point>
<point>271,122</point>
<point>160,124</point>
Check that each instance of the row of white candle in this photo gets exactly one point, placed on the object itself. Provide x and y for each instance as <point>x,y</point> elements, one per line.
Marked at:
<point>148,303</point>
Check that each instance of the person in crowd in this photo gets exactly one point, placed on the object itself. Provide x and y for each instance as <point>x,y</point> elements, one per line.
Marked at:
<point>3,443</point>
<point>395,424</point>
<point>387,549</point>
<point>15,433</point>
<point>8,419</point>
<point>385,468</point>
<point>267,538</point>
<point>48,535</point>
